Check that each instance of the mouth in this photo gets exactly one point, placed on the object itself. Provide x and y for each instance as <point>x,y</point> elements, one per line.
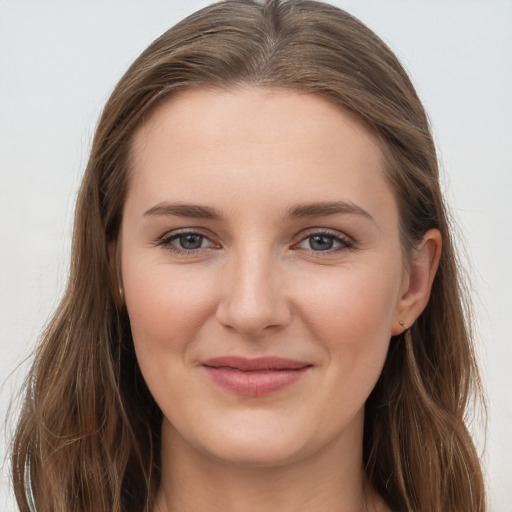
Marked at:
<point>255,376</point>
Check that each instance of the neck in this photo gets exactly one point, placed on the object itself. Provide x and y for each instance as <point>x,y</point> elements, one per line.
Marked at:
<point>330,480</point>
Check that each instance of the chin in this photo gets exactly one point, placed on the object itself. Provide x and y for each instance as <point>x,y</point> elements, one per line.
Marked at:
<point>257,453</point>
<point>258,441</point>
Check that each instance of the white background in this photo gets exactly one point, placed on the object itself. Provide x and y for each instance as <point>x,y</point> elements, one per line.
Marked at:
<point>60,59</point>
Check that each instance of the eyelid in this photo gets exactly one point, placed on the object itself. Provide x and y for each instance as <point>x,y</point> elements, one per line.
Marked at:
<point>165,240</point>
<point>346,242</point>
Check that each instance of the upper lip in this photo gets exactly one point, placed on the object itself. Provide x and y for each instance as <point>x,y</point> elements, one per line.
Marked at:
<point>247,364</point>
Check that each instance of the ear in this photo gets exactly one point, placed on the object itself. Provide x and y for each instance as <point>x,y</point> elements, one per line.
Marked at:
<point>418,279</point>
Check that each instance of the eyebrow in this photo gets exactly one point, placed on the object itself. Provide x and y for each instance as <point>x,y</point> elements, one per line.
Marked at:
<point>324,209</point>
<point>184,210</point>
<point>316,209</point>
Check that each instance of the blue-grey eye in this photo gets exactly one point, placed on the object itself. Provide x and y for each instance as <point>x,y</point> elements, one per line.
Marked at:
<point>321,242</point>
<point>190,241</point>
<point>324,242</point>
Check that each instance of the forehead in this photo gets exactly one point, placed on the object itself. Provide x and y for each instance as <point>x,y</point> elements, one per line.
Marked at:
<point>259,113</point>
<point>284,145</point>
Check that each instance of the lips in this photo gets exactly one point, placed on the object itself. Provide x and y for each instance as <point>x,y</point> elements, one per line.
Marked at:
<point>256,376</point>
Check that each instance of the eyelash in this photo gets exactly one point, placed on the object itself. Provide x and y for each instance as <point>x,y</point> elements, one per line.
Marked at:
<point>344,242</point>
<point>166,240</point>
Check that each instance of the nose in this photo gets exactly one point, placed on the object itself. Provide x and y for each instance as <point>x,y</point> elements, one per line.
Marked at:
<point>253,298</point>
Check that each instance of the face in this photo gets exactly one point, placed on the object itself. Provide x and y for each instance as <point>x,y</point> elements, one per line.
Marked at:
<point>262,271</point>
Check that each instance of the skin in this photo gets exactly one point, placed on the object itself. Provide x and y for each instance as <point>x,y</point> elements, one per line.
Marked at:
<point>257,286</point>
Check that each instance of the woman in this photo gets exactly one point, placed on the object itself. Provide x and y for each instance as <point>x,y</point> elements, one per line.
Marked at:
<point>264,310</point>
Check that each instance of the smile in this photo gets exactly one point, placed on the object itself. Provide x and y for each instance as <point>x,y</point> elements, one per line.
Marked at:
<point>254,377</point>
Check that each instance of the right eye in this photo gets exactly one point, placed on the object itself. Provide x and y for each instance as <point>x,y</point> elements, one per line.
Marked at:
<point>185,242</point>
<point>190,241</point>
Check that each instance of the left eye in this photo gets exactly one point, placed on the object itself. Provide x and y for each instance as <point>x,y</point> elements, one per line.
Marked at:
<point>320,242</point>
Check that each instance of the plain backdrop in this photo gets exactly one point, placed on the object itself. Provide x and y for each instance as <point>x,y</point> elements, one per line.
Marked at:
<point>60,59</point>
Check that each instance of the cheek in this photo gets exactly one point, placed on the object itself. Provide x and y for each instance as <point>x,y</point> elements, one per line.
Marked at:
<point>166,306</point>
<point>358,300</point>
<point>351,314</point>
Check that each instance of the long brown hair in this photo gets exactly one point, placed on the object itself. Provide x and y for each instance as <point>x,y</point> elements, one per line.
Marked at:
<point>88,435</point>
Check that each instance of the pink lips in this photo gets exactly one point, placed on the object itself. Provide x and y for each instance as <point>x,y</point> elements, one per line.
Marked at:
<point>254,377</point>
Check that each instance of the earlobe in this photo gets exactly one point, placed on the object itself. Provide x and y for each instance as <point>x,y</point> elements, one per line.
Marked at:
<point>420,276</point>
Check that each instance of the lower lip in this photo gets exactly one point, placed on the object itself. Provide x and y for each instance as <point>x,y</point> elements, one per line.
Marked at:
<point>254,383</point>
